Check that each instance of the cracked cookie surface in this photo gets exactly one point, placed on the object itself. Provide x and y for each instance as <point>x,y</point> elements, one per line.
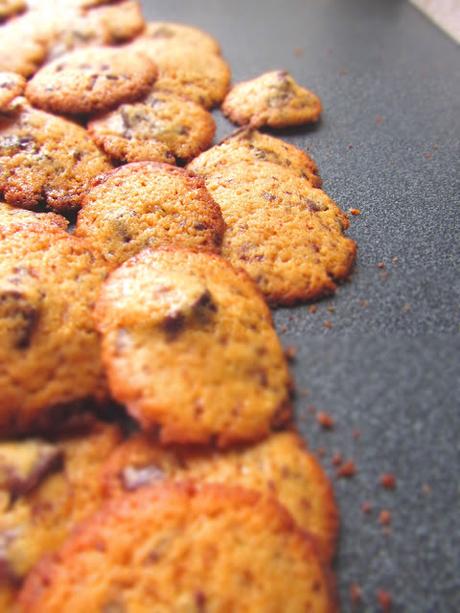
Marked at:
<point>49,347</point>
<point>91,80</point>
<point>45,159</point>
<point>274,99</point>
<point>162,128</point>
<point>279,466</point>
<point>189,345</point>
<point>251,146</point>
<point>146,204</point>
<point>287,235</point>
<point>183,548</point>
<point>47,485</point>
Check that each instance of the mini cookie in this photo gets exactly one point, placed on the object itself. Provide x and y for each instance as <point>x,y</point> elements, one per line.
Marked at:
<point>274,99</point>
<point>90,80</point>
<point>46,487</point>
<point>180,548</point>
<point>22,46</point>
<point>189,345</point>
<point>8,8</point>
<point>46,159</point>
<point>167,33</point>
<point>49,348</point>
<point>187,71</point>
<point>162,128</point>
<point>279,466</point>
<point>147,205</point>
<point>11,86</point>
<point>251,146</point>
<point>287,235</point>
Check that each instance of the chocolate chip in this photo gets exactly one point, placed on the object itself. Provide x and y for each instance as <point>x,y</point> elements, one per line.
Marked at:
<point>268,196</point>
<point>174,323</point>
<point>20,317</point>
<point>135,477</point>
<point>200,601</point>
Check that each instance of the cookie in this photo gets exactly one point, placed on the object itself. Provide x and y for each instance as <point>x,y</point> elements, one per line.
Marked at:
<point>161,128</point>
<point>49,348</point>
<point>180,548</point>
<point>46,159</point>
<point>187,71</point>
<point>146,204</point>
<point>46,487</point>
<point>287,235</point>
<point>107,24</point>
<point>23,48</point>
<point>274,99</point>
<point>251,146</point>
<point>279,466</point>
<point>189,347</point>
<point>11,86</point>
<point>8,8</point>
<point>167,33</point>
<point>91,80</point>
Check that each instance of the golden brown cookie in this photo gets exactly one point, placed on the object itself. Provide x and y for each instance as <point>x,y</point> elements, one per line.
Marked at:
<point>45,159</point>
<point>180,548</point>
<point>251,146</point>
<point>11,86</point>
<point>280,466</point>
<point>146,204</point>
<point>49,348</point>
<point>274,99</point>
<point>8,8</point>
<point>23,46</point>
<point>189,346</point>
<point>162,128</point>
<point>91,80</point>
<point>168,33</point>
<point>47,486</point>
<point>188,71</point>
<point>287,235</point>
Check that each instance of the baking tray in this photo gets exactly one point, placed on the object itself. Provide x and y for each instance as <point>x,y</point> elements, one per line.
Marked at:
<point>386,367</point>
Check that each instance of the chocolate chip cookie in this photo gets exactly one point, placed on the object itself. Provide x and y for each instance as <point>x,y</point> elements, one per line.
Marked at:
<point>91,80</point>
<point>274,99</point>
<point>182,548</point>
<point>162,128</point>
<point>189,346</point>
<point>146,204</point>
<point>45,159</point>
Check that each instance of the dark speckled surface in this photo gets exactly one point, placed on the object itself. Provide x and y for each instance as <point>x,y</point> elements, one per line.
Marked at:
<point>388,144</point>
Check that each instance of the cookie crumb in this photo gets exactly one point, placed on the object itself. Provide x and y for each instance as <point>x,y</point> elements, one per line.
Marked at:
<point>364,303</point>
<point>395,260</point>
<point>356,595</point>
<point>407,307</point>
<point>325,420</point>
<point>298,52</point>
<point>388,481</point>
<point>283,329</point>
<point>381,265</point>
<point>355,211</point>
<point>312,308</point>
<point>367,507</point>
<point>337,459</point>
<point>426,489</point>
<point>291,353</point>
<point>347,470</point>
<point>350,146</point>
<point>384,600</point>
<point>384,518</point>
<point>328,324</point>
<point>428,155</point>
<point>331,309</point>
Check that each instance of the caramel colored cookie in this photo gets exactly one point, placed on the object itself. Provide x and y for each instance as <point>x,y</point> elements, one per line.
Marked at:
<point>274,99</point>
<point>251,146</point>
<point>146,204</point>
<point>49,348</point>
<point>187,71</point>
<point>180,548</point>
<point>46,159</point>
<point>161,128</point>
<point>287,235</point>
<point>91,80</point>
<point>11,86</point>
<point>279,466</point>
<point>8,8</point>
<point>23,48</point>
<point>46,487</point>
<point>189,346</point>
<point>167,33</point>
